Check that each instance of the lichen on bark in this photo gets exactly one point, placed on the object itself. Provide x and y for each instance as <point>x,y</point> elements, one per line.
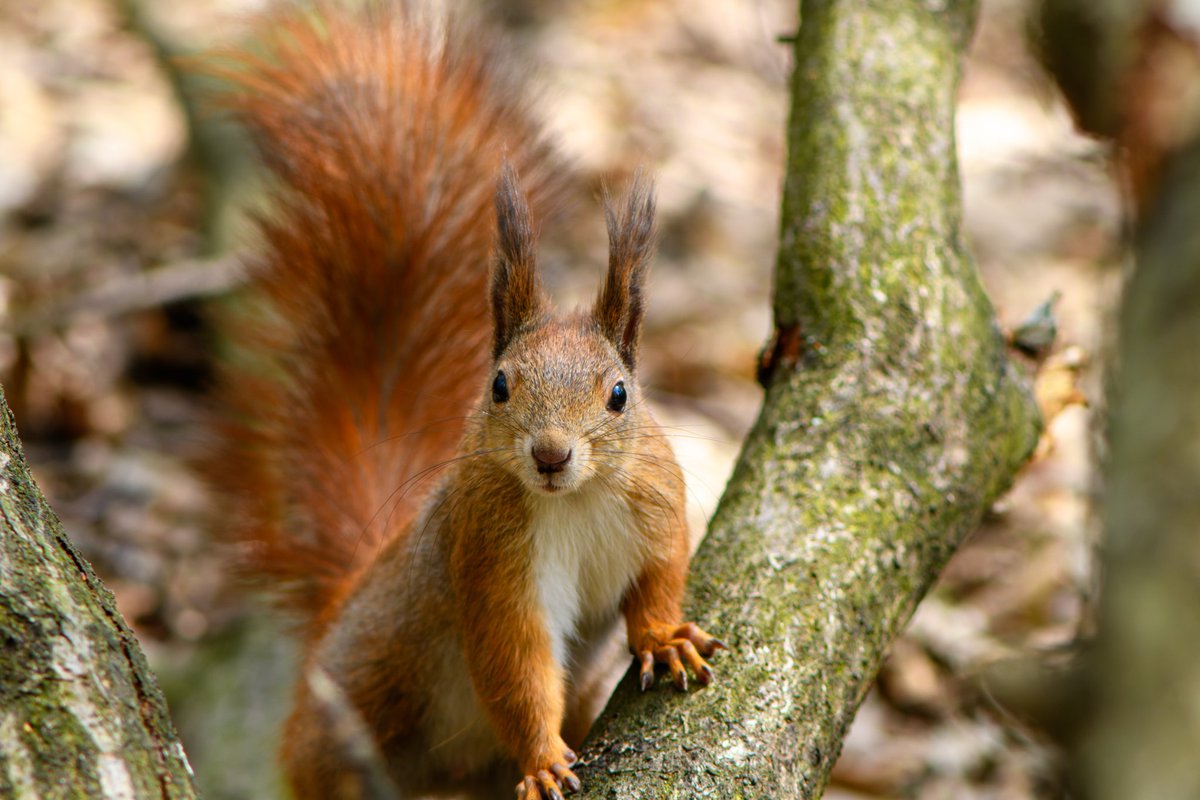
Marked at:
<point>80,712</point>
<point>892,420</point>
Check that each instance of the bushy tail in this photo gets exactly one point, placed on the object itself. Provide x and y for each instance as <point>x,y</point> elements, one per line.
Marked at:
<point>384,131</point>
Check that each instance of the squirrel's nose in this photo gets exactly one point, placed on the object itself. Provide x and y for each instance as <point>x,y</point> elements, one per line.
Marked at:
<point>551,456</point>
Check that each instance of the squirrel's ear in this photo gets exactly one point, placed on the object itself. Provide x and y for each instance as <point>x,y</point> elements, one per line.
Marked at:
<point>630,246</point>
<point>517,298</point>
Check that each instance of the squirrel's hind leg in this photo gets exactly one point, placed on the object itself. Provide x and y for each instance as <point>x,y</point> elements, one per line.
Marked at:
<point>332,752</point>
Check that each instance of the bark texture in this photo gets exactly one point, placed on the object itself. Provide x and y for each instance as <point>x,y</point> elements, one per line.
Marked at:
<point>80,712</point>
<point>891,422</point>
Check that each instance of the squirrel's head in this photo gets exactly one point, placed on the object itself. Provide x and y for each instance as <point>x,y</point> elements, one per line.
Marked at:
<point>563,405</point>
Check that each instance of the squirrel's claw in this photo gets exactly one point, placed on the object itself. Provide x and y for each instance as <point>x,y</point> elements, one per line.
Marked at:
<point>669,655</point>
<point>647,673</point>
<point>686,644</point>
<point>704,643</point>
<point>550,783</point>
<point>696,664</point>
<point>566,778</point>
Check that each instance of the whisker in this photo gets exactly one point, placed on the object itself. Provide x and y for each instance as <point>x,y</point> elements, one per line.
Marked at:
<point>393,498</point>
<point>427,429</point>
<point>668,465</point>
<point>645,486</point>
<point>673,433</point>
<point>459,488</point>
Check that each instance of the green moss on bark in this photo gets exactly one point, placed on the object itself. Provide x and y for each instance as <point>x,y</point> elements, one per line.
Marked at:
<point>80,713</point>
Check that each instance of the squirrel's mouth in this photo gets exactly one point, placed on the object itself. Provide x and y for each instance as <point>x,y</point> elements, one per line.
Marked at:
<point>552,484</point>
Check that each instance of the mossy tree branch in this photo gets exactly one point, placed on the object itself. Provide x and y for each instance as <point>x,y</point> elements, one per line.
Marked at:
<point>80,712</point>
<point>892,420</point>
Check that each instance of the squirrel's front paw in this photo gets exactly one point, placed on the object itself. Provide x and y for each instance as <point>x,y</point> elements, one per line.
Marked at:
<point>548,777</point>
<point>674,645</point>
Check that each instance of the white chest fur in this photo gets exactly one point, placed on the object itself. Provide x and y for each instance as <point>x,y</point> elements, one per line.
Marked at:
<point>587,550</point>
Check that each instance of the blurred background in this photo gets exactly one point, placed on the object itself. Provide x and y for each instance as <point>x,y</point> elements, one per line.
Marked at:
<point>122,214</point>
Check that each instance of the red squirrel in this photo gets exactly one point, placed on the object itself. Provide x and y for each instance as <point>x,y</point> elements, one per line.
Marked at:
<point>463,512</point>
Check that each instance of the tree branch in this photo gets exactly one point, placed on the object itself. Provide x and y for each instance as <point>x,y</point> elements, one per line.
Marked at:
<point>892,421</point>
<point>80,712</point>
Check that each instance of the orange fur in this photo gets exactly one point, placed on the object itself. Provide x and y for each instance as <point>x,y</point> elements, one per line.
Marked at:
<point>456,583</point>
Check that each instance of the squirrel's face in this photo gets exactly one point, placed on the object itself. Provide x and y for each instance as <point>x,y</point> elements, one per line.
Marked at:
<point>563,405</point>
<point>561,408</point>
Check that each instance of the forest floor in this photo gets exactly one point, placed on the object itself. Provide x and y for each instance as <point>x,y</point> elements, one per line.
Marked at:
<point>118,258</point>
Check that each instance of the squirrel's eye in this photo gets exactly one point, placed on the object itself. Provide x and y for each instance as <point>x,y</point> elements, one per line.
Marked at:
<point>500,388</point>
<point>616,400</point>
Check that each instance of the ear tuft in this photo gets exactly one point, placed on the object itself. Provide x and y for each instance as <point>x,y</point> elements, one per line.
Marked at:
<point>621,304</point>
<point>518,301</point>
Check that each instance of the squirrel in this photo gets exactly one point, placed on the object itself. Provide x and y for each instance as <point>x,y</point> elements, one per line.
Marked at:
<point>461,511</point>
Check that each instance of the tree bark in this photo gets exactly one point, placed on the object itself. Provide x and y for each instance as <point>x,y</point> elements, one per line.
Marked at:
<point>892,420</point>
<point>80,713</point>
